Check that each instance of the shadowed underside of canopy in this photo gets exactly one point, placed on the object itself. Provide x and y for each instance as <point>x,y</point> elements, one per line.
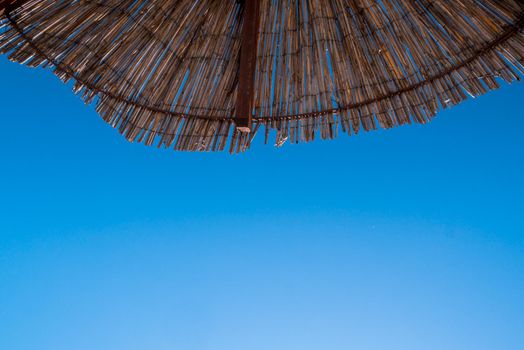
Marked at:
<point>168,72</point>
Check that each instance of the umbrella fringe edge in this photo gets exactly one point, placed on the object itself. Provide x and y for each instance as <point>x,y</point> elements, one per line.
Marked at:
<point>481,74</point>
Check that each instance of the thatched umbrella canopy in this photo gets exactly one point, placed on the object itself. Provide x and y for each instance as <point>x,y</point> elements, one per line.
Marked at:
<point>201,74</point>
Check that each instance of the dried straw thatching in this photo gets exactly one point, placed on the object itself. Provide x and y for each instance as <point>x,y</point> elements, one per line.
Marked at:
<point>167,72</point>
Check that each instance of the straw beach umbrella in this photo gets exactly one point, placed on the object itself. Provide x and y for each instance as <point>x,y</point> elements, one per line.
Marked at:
<point>210,74</point>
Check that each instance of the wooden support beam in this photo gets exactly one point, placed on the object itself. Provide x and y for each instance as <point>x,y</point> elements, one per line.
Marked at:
<point>10,4</point>
<point>248,60</point>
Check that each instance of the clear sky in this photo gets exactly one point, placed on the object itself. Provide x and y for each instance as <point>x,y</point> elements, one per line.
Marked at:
<point>411,238</point>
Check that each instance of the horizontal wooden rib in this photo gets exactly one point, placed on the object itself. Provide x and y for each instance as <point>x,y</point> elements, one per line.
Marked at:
<point>508,33</point>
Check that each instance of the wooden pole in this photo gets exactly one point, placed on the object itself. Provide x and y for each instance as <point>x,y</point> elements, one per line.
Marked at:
<point>248,59</point>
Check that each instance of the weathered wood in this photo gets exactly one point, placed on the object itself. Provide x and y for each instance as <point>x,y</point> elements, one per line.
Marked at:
<point>248,57</point>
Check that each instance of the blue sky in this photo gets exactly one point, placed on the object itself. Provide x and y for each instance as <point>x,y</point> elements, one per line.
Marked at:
<point>411,238</point>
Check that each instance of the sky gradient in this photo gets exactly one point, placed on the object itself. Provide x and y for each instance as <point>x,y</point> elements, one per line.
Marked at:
<point>410,238</point>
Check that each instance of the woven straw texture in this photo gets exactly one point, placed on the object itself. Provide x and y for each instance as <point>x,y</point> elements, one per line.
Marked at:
<point>166,72</point>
